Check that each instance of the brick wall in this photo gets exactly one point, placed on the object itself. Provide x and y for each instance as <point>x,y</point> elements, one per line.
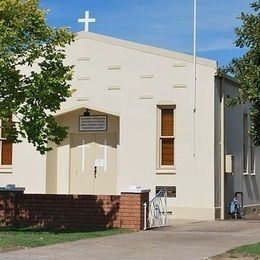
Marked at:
<point>72,211</point>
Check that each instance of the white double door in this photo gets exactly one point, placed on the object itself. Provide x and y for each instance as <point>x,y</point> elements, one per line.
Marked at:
<point>93,163</point>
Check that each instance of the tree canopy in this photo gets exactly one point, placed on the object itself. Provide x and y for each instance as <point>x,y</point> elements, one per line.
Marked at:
<point>33,78</point>
<point>247,68</point>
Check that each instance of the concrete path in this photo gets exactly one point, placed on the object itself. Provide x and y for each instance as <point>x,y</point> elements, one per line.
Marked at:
<point>182,240</point>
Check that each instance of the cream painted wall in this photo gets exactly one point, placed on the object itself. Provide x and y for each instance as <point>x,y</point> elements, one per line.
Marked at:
<point>217,179</point>
<point>28,170</point>
<point>63,167</point>
<point>129,81</point>
<point>51,171</point>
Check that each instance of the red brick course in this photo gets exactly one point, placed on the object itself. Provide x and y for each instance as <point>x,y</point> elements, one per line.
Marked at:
<point>72,211</point>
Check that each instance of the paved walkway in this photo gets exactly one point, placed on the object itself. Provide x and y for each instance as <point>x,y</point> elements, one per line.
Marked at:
<point>182,240</point>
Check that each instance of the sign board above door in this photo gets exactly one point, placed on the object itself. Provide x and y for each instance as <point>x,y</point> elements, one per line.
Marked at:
<point>92,123</point>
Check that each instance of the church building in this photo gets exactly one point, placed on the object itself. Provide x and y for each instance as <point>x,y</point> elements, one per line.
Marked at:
<point>138,121</point>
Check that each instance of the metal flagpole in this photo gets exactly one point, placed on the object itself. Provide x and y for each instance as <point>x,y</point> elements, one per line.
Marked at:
<point>194,73</point>
<point>194,54</point>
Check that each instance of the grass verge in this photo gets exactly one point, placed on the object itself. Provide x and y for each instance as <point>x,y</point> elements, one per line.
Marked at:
<point>248,250</point>
<point>21,238</point>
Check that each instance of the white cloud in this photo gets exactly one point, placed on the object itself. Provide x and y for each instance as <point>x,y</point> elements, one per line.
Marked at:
<point>219,44</point>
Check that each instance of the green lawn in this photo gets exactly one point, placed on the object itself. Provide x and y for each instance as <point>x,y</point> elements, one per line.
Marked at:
<point>13,239</point>
<point>250,250</point>
<point>242,252</point>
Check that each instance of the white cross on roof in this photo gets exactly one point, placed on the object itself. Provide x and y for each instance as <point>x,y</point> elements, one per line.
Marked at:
<point>87,20</point>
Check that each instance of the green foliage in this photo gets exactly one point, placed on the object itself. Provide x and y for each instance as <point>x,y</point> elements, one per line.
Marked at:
<point>247,68</point>
<point>33,78</point>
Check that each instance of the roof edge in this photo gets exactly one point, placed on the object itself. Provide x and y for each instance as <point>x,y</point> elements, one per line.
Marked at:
<point>232,80</point>
<point>84,106</point>
<point>145,48</point>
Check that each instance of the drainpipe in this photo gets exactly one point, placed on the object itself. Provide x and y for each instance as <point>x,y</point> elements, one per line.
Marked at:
<point>222,149</point>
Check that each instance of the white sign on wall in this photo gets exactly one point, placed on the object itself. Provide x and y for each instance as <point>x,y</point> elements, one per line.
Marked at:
<point>92,123</point>
<point>99,162</point>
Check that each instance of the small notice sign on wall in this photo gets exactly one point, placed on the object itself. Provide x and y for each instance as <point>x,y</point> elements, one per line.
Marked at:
<point>92,123</point>
<point>99,162</point>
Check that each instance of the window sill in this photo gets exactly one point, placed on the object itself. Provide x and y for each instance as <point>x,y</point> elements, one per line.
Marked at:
<point>166,171</point>
<point>253,174</point>
<point>246,174</point>
<point>6,169</point>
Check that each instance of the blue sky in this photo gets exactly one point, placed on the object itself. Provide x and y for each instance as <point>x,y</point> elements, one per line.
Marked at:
<point>161,23</point>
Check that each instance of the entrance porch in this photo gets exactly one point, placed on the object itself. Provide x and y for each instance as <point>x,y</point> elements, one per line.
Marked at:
<point>86,162</point>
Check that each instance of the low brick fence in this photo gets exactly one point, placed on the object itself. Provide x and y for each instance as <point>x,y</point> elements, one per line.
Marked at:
<point>72,211</point>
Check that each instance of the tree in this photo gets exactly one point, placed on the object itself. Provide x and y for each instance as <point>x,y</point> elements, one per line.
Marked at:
<point>33,78</point>
<point>247,68</point>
